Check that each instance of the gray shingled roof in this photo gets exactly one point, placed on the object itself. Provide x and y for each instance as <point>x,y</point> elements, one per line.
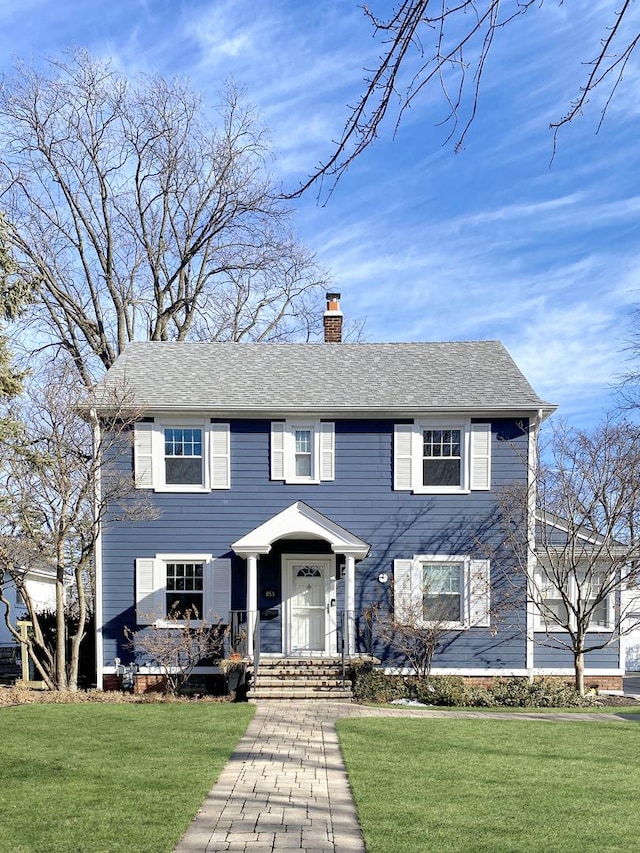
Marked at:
<point>478,375</point>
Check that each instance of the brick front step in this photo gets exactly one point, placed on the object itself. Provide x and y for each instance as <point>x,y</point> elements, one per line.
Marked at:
<point>298,678</point>
<point>300,663</point>
<point>262,693</point>
<point>299,672</point>
<point>288,681</point>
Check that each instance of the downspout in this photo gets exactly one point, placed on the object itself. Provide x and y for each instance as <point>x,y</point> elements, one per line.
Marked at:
<point>97,552</point>
<point>531,539</point>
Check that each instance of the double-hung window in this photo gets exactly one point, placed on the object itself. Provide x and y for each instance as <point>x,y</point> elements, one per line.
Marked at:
<point>452,591</point>
<point>181,455</point>
<point>552,607</point>
<point>583,590</point>
<point>442,587</point>
<point>302,451</point>
<point>183,460</point>
<point>185,589</point>
<point>170,586</point>
<point>442,457</point>
<point>437,456</point>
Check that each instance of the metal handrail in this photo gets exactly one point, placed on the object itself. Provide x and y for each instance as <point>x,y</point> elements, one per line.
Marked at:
<point>238,631</point>
<point>343,644</point>
<point>256,647</point>
<point>237,638</point>
<point>346,618</point>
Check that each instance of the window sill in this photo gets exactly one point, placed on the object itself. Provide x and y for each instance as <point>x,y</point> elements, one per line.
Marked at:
<point>441,490</point>
<point>556,629</point>
<point>182,489</point>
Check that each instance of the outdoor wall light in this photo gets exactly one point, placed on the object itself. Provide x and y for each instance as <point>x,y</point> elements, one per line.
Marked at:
<point>383,577</point>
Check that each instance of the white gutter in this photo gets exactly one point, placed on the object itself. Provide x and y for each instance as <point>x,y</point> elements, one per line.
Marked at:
<point>97,552</point>
<point>532,470</point>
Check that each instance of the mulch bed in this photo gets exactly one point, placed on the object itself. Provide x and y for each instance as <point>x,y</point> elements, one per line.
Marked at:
<point>616,701</point>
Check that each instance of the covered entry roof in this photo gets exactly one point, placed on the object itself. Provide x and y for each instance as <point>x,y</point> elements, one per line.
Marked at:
<point>300,520</point>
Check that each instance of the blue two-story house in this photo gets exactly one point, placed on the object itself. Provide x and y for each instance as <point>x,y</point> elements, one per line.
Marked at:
<point>299,485</point>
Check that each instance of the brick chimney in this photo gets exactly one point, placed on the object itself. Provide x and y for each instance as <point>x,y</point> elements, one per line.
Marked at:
<point>333,320</point>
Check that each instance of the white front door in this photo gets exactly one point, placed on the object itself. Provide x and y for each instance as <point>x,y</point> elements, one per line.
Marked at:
<point>310,612</point>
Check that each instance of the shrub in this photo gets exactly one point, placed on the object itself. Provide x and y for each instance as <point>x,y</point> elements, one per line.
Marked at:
<point>440,690</point>
<point>480,697</point>
<point>373,685</point>
<point>25,696</point>
<point>543,693</point>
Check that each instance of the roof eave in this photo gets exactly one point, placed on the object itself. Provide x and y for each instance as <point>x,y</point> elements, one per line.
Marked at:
<point>253,411</point>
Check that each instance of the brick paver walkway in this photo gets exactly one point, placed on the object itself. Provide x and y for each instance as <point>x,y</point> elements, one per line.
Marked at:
<point>286,787</point>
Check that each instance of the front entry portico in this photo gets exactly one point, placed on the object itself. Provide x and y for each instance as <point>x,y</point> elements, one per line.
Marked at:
<point>309,599</point>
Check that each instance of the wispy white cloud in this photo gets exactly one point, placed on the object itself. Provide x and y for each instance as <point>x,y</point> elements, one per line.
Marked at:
<point>492,242</point>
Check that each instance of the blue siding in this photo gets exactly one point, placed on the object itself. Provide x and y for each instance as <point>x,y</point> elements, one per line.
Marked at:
<point>361,499</point>
<point>550,655</point>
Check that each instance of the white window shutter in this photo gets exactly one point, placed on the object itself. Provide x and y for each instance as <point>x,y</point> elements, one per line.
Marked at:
<point>480,457</point>
<point>149,591</point>
<point>217,590</point>
<point>278,450</point>
<point>402,444</point>
<point>327,450</point>
<point>219,455</point>
<point>479,594</point>
<point>143,454</point>
<point>405,591</point>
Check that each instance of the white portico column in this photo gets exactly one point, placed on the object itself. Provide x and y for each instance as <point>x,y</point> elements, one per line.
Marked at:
<point>350,603</point>
<point>252,599</point>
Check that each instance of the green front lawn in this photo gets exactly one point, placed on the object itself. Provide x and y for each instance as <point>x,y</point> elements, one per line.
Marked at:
<point>109,777</point>
<point>494,786</point>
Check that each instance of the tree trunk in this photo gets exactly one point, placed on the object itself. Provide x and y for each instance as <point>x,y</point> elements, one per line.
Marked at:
<point>61,652</point>
<point>78,636</point>
<point>578,658</point>
<point>40,669</point>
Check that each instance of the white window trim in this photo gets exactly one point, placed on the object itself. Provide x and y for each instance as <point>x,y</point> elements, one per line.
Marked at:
<point>417,456</point>
<point>475,449</point>
<point>212,593</point>
<point>474,593</point>
<point>541,625</point>
<point>282,461</point>
<point>149,461</point>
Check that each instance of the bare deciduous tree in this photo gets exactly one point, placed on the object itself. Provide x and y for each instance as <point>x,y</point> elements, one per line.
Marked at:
<point>587,489</point>
<point>17,559</point>
<point>423,620</point>
<point>141,219</point>
<point>15,291</point>
<point>428,44</point>
<point>60,483</point>
<point>177,646</point>
<point>414,639</point>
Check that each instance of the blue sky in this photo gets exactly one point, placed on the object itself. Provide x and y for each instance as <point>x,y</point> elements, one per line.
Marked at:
<point>426,244</point>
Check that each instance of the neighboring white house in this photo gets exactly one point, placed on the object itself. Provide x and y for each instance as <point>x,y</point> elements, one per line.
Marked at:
<point>630,604</point>
<point>41,586</point>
